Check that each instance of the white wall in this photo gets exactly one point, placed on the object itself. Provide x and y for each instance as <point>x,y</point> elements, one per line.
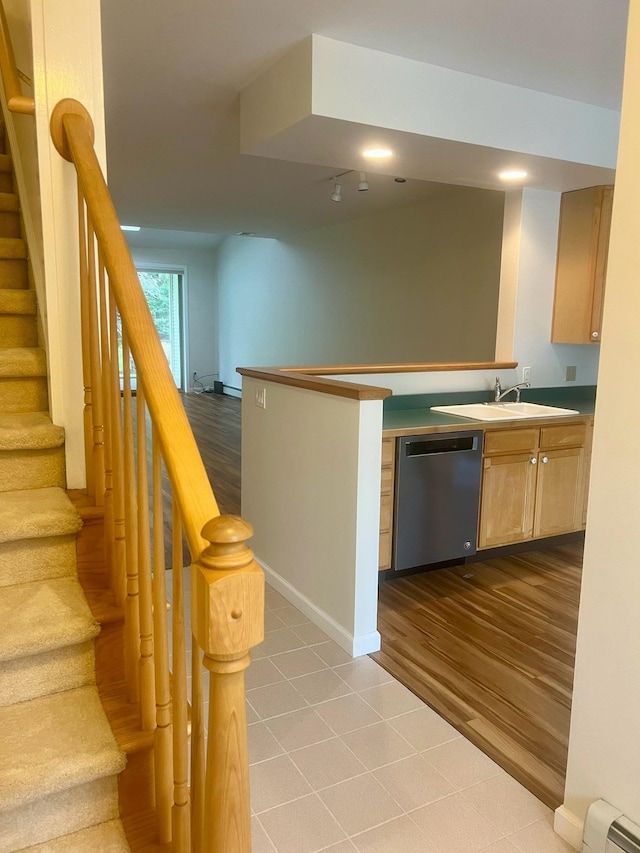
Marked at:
<point>418,283</point>
<point>370,87</point>
<point>604,746</point>
<point>524,314</point>
<point>311,489</point>
<point>534,305</point>
<point>201,302</point>
<point>67,63</point>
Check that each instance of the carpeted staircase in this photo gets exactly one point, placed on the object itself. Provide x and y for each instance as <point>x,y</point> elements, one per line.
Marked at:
<point>59,761</point>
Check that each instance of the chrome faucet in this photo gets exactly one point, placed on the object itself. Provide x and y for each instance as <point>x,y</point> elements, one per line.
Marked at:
<point>499,393</point>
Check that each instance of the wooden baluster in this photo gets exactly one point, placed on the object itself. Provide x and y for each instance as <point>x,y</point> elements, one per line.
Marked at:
<point>132,603</point>
<point>119,527</point>
<point>163,736</point>
<point>147,675</point>
<point>86,347</point>
<point>105,380</point>
<point>197,749</point>
<point>180,817</point>
<point>96,374</point>
<point>227,611</point>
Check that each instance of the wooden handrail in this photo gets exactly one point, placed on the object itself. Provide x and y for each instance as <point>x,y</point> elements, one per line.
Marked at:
<point>16,101</point>
<point>72,133</point>
<point>227,585</point>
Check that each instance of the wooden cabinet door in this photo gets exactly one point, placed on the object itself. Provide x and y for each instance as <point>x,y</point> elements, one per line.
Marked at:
<point>507,502</point>
<point>559,492</point>
<point>583,246</point>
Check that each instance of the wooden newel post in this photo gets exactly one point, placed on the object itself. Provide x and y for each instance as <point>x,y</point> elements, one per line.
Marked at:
<point>227,613</point>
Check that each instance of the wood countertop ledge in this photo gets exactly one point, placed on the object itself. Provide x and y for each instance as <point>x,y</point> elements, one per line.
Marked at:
<point>312,378</point>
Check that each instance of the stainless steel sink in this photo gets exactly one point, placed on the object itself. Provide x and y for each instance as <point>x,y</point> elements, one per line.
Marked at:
<point>504,411</point>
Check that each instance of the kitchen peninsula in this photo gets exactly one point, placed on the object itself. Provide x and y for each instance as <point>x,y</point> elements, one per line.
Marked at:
<point>311,474</point>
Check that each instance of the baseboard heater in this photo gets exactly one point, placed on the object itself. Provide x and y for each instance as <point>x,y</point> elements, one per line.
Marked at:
<point>607,830</point>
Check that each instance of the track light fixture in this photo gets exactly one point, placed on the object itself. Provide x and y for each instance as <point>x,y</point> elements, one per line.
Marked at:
<point>362,186</point>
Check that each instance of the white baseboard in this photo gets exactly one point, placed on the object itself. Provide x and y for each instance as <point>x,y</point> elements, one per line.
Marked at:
<point>568,827</point>
<point>355,646</point>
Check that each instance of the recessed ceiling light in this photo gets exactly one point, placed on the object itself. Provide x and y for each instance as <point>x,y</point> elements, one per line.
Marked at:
<point>513,175</point>
<point>130,227</point>
<point>377,153</point>
<point>245,233</point>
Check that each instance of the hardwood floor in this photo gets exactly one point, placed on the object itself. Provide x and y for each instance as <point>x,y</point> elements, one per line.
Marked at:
<point>490,646</point>
<point>215,421</point>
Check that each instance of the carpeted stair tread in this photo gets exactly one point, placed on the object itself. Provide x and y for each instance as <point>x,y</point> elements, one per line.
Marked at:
<point>12,247</point>
<point>29,431</point>
<point>22,361</point>
<point>53,671</point>
<point>54,743</point>
<point>17,301</point>
<point>36,513</point>
<point>9,202</point>
<point>106,837</point>
<point>39,617</point>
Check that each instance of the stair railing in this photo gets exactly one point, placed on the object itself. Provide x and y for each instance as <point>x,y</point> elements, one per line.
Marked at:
<point>144,466</point>
<point>16,101</point>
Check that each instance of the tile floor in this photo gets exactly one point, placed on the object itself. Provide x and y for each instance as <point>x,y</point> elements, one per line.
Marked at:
<point>345,759</point>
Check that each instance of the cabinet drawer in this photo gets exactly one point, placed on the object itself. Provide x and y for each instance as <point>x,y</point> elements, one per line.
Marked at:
<point>385,512</point>
<point>388,448</point>
<point>510,440</point>
<point>569,435</point>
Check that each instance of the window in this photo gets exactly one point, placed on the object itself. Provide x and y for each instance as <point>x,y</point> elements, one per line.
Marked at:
<point>163,289</point>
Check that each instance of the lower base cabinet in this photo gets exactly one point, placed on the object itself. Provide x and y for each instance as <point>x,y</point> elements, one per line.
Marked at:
<point>533,483</point>
<point>386,503</point>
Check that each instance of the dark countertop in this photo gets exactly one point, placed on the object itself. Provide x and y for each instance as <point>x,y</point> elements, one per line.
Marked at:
<point>412,413</point>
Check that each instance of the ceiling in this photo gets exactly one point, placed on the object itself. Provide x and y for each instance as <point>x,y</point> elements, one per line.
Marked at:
<point>173,73</point>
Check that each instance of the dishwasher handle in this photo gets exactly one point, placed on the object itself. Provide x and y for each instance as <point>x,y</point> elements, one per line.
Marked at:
<point>445,444</point>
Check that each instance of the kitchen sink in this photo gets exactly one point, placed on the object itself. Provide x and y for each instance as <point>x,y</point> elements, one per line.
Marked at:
<point>504,411</point>
<point>534,410</point>
<point>477,411</point>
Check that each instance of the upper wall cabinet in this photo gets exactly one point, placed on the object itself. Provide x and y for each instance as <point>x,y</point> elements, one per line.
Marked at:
<point>583,245</point>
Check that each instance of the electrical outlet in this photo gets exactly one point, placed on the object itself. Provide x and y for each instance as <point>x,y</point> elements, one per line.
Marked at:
<point>571,373</point>
<point>526,374</point>
<point>261,398</point>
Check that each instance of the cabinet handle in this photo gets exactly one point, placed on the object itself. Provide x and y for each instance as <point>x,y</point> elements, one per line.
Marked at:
<point>534,461</point>
<point>545,459</point>
<point>595,334</point>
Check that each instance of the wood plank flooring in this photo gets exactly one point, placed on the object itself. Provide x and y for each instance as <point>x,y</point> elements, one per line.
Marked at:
<point>490,646</point>
<point>215,421</point>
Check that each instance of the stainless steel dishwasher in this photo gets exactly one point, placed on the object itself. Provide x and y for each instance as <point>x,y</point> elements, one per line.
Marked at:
<point>437,497</point>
